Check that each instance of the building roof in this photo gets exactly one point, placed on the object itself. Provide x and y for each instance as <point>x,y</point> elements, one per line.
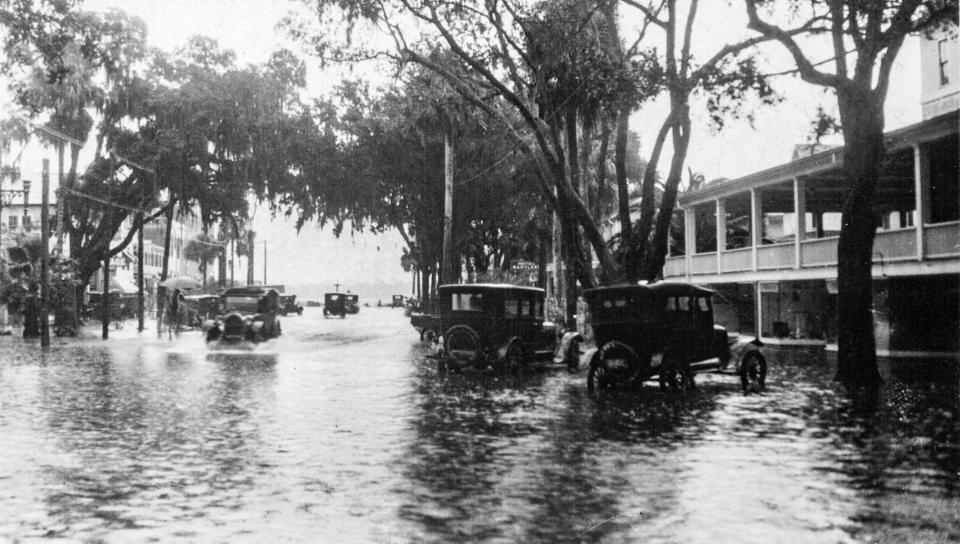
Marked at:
<point>825,160</point>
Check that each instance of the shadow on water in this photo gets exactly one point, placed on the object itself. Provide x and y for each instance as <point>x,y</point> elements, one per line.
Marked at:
<point>148,443</point>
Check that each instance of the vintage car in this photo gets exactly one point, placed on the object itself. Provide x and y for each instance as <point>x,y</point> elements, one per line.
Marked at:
<point>495,326</point>
<point>662,330</point>
<point>398,301</point>
<point>201,308</point>
<point>246,314</point>
<point>351,303</point>
<point>289,305</point>
<point>333,304</point>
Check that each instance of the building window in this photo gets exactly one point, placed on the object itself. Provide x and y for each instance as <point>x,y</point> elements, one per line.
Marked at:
<point>12,222</point>
<point>27,223</point>
<point>943,50</point>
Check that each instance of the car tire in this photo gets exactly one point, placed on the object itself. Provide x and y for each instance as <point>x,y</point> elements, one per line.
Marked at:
<point>753,372</point>
<point>513,359</point>
<point>614,365</point>
<point>572,356</point>
<point>462,338</point>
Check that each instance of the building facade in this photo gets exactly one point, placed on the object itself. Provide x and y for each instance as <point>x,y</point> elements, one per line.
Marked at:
<point>767,242</point>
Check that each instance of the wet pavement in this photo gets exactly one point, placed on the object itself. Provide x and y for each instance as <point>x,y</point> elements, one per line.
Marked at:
<point>342,431</point>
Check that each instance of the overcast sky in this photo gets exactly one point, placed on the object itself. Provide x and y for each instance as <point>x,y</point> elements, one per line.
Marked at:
<point>247,27</point>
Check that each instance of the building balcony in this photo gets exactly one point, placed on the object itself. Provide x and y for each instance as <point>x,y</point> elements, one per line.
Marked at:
<point>939,243</point>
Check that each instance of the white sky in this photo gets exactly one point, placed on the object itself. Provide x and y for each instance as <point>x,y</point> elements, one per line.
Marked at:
<point>247,27</point>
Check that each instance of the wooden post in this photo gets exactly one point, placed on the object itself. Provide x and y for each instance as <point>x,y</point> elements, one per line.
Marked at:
<point>45,255</point>
<point>251,251</point>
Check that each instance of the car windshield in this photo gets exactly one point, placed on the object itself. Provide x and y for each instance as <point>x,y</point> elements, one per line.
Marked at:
<point>238,303</point>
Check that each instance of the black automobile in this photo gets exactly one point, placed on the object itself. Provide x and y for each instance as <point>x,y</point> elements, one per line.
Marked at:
<point>289,305</point>
<point>246,314</point>
<point>662,330</point>
<point>333,304</point>
<point>495,326</point>
<point>398,301</point>
<point>200,308</point>
<point>351,303</point>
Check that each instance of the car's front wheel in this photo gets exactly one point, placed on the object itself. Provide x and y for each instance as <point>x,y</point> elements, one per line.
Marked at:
<point>572,356</point>
<point>753,372</point>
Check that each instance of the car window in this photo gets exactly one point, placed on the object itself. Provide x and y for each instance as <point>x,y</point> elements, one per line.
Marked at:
<point>466,302</point>
<point>702,304</point>
<point>536,309</point>
<point>511,306</point>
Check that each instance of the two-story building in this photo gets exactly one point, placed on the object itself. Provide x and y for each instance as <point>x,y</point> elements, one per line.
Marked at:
<point>767,242</point>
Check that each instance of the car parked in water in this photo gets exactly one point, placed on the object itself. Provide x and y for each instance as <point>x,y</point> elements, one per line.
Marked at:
<point>200,308</point>
<point>663,330</point>
<point>289,305</point>
<point>495,326</point>
<point>333,304</point>
<point>247,314</point>
<point>351,303</point>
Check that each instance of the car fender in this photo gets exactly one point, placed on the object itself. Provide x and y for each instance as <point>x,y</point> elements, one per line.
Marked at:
<point>591,355</point>
<point>256,326</point>
<point>502,352</point>
<point>740,347</point>
<point>208,325</point>
<point>565,341</point>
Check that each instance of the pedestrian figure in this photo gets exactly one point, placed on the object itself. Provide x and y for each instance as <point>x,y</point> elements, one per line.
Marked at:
<point>174,313</point>
<point>31,312</point>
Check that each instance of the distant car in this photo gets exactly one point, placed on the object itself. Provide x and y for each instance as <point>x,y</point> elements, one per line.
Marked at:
<point>397,301</point>
<point>662,330</point>
<point>333,304</point>
<point>351,303</point>
<point>247,314</point>
<point>314,304</point>
<point>289,305</point>
<point>495,326</point>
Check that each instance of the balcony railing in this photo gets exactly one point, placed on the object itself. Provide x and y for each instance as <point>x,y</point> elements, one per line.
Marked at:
<point>941,240</point>
<point>895,244</point>
<point>775,256</point>
<point>736,260</point>
<point>819,251</point>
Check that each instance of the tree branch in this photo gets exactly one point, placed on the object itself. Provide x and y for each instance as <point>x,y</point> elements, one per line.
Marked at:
<point>807,70</point>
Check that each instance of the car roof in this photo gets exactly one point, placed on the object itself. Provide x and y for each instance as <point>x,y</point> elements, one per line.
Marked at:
<point>200,297</point>
<point>661,288</point>
<point>468,287</point>
<point>249,290</point>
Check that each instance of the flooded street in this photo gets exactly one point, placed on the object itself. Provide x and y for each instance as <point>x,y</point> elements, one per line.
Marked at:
<point>342,431</point>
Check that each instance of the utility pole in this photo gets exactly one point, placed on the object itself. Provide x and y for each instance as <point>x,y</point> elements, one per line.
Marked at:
<point>264,262</point>
<point>140,272</point>
<point>251,251</point>
<point>446,272</point>
<point>45,255</point>
<point>105,299</point>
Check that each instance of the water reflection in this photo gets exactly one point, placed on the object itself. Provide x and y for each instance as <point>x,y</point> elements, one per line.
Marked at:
<point>140,457</point>
<point>342,431</point>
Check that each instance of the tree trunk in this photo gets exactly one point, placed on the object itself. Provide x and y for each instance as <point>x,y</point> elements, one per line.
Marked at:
<point>630,268</point>
<point>863,122</point>
<point>165,266</point>
<point>656,255</point>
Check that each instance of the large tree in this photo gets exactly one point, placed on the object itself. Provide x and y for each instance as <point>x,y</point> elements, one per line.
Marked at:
<point>190,128</point>
<point>864,38</point>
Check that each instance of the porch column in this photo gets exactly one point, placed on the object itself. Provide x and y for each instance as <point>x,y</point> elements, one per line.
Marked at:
<point>721,225</point>
<point>799,212</point>
<point>921,195</point>
<point>689,237</point>
<point>755,237</point>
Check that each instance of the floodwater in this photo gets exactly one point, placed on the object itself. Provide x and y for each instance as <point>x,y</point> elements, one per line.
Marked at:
<point>342,431</point>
